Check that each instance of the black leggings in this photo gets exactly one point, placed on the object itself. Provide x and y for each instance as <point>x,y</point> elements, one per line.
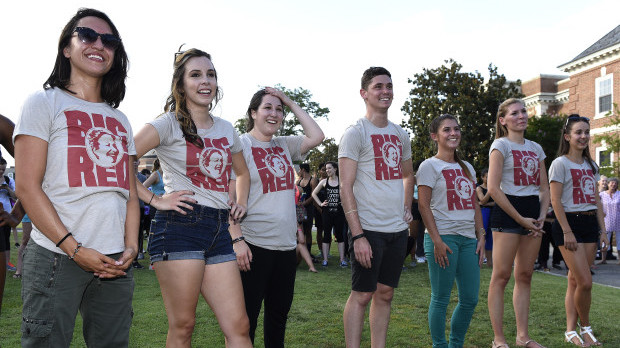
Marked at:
<point>272,279</point>
<point>333,221</point>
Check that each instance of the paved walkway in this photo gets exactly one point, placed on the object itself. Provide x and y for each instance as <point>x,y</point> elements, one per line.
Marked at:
<point>608,274</point>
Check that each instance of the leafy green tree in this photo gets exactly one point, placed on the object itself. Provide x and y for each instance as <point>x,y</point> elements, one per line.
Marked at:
<point>448,90</point>
<point>612,142</point>
<point>290,125</point>
<point>546,131</point>
<point>327,151</point>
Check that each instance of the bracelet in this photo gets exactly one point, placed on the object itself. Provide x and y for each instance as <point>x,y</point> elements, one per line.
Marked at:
<point>361,235</point>
<point>567,232</point>
<point>150,200</point>
<point>75,251</point>
<point>63,239</point>
<point>350,211</point>
<point>482,231</point>
<point>238,239</point>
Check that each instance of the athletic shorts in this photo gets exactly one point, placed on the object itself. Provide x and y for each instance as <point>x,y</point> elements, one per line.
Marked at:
<point>388,254</point>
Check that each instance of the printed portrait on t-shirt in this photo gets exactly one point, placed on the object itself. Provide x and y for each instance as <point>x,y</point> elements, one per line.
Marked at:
<point>97,150</point>
<point>103,147</point>
<point>274,169</point>
<point>459,189</point>
<point>526,168</point>
<point>276,165</point>
<point>209,168</point>
<point>387,153</point>
<point>583,186</point>
<point>213,162</point>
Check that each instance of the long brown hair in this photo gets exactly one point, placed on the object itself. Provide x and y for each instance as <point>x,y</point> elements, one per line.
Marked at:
<point>434,128</point>
<point>565,145</point>
<point>177,100</point>
<point>501,130</point>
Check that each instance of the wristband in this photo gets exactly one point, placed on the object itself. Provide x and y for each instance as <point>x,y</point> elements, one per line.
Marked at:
<point>361,235</point>
<point>63,239</point>
<point>150,200</point>
<point>482,231</point>
<point>75,251</point>
<point>350,211</point>
<point>238,239</point>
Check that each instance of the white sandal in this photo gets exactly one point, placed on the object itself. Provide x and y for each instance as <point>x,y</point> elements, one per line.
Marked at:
<point>569,335</point>
<point>588,330</point>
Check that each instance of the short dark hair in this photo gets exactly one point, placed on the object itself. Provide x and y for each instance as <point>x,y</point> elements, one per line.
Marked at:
<point>113,84</point>
<point>305,166</point>
<point>2,160</point>
<point>371,72</point>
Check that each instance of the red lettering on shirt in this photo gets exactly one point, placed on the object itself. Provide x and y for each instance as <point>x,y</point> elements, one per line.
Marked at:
<point>526,168</point>
<point>274,169</point>
<point>97,151</point>
<point>388,151</point>
<point>209,168</point>
<point>583,186</point>
<point>460,189</point>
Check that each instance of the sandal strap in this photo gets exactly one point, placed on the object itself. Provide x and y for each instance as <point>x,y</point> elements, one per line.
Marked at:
<point>587,330</point>
<point>569,335</point>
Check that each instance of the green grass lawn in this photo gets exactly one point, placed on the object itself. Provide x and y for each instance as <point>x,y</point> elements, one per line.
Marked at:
<point>315,319</point>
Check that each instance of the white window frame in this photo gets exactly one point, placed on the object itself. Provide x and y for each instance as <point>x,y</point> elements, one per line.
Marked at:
<point>600,149</point>
<point>597,84</point>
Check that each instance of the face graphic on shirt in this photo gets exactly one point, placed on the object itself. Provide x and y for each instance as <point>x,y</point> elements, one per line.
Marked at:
<point>103,147</point>
<point>96,150</point>
<point>526,168</point>
<point>459,190</point>
<point>587,185</point>
<point>530,165</point>
<point>391,155</point>
<point>212,162</point>
<point>583,186</point>
<point>387,150</point>
<point>276,165</point>
<point>209,167</point>
<point>463,187</point>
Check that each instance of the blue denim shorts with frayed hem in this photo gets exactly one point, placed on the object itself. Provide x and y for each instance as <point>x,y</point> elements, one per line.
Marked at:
<point>201,234</point>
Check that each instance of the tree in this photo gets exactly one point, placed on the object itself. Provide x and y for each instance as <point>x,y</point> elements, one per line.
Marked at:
<point>290,125</point>
<point>546,131</point>
<point>447,90</point>
<point>327,151</point>
<point>612,142</point>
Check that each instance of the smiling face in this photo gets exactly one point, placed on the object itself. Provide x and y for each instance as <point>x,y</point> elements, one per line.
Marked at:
<point>199,82</point>
<point>515,118</point>
<point>268,117</point>
<point>93,59</point>
<point>379,93</point>
<point>579,135</point>
<point>448,136</point>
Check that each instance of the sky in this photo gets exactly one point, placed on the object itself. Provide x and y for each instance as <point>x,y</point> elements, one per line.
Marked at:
<point>322,46</point>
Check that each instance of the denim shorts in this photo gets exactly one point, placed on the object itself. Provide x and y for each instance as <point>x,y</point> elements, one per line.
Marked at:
<point>202,234</point>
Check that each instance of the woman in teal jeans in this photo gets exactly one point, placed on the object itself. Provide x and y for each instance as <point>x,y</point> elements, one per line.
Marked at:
<point>454,242</point>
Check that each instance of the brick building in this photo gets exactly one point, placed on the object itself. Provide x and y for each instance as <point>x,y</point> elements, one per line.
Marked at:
<point>590,88</point>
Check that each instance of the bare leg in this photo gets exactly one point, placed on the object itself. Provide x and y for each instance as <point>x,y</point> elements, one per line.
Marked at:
<point>341,251</point>
<point>524,268</point>
<point>505,245</point>
<point>380,308</point>
<point>303,251</point>
<point>221,288</point>
<point>180,291</point>
<point>326,247</point>
<point>353,317</point>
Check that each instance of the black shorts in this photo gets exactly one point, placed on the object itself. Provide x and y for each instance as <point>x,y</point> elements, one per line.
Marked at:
<point>388,254</point>
<point>5,233</point>
<point>584,227</point>
<point>415,212</point>
<point>527,206</point>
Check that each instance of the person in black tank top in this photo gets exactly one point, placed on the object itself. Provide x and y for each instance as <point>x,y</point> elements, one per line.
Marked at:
<point>306,183</point>
<point>333,215</point>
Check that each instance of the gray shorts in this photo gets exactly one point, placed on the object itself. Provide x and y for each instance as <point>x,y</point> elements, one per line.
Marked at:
<point>388,254</point>
<point>54,288</point>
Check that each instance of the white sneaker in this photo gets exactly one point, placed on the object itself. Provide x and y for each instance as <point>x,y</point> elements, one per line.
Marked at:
<point>421,259</point>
